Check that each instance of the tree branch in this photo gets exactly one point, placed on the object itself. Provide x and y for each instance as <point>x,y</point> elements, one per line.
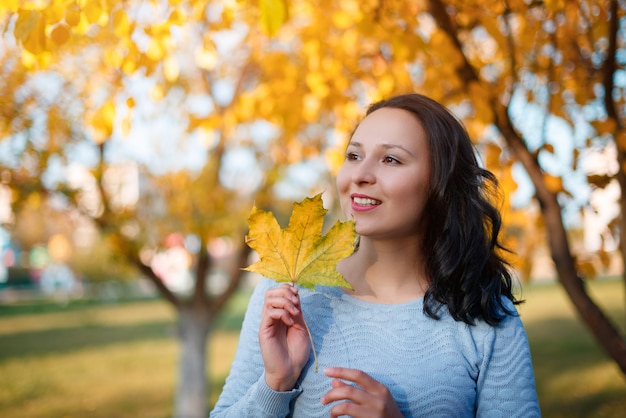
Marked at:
<point>202,269</point>
<point>437,9</point>
<point>147,272</point>
<point>236,274</point>
<point>609,66</point>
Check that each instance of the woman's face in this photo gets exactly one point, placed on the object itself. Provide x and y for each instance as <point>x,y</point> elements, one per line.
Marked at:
<point>383,183</point>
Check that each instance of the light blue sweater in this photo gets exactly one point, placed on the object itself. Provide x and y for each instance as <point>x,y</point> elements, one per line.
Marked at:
<point>433,368</point>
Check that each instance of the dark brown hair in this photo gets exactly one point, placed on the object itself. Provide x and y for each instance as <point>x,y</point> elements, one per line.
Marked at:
<point>461,244</point>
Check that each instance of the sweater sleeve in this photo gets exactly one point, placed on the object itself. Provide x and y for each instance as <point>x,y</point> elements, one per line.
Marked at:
<point>245,393</point>
<point>506,382</point>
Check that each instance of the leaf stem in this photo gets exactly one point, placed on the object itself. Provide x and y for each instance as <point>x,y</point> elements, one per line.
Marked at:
<point>312,344</point>
<point>310,337</point>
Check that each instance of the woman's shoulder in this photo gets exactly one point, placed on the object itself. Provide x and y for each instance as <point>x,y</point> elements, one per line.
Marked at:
<point>508,328</point>
<point>509,314</point>
<point>479,329</point>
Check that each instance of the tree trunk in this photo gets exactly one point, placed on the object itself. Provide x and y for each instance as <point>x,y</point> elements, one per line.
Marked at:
<point>191,394</point>
<point>621,178</point>
<point>609,69</point>
<point>194,325</point>
<point>597,322</point>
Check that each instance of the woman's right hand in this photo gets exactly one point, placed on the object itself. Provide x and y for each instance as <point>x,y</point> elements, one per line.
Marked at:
<point>283,338</point>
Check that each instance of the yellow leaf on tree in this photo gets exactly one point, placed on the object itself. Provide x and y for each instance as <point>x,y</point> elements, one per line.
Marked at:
<point>156,49</point>
<point>177,17</point>
<point>121,24</point>
<point>206,59</point>
<point>93,11</point>
<point>72,17</point>
<point>55,11</point>
<point>342,19</point>
<point>26,22</point>
<point>60,34</point>
<point>102,122</point>
<point>157,93</point>
<point>300,254</point>
<point>386,84</point>
<point>11,6</point>
<point>171,69</point>
<point>310,107</point>
<point>273,15</point>
<point>317,84</point>
<point>29,61</point>
<point>334,158</point>
<point>553,183</point>
<point>30,29</point>
<point>113,58</point>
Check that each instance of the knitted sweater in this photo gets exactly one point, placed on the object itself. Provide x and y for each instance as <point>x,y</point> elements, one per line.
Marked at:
<point>433,368</point>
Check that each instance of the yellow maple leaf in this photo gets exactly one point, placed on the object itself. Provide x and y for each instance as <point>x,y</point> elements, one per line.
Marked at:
<point>300,254</point>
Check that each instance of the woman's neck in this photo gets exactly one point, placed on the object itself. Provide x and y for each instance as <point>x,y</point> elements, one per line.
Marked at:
<point>385,272</point>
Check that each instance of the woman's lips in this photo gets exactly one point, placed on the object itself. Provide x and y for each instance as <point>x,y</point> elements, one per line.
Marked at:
<point>364,203</point>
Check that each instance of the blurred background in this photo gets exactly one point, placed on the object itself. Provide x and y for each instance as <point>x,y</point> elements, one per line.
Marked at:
<point>136,135</point>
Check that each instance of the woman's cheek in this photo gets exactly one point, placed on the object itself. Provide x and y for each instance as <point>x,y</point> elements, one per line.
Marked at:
<point>343,187</point>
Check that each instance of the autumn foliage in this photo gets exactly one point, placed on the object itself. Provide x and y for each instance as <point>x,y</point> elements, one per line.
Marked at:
<point>285,82</point>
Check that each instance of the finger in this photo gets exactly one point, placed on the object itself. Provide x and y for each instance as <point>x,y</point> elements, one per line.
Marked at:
<point>349,409</point>
<point>343,392</point>
<point>285,291</point>
<point>280,302</point>
<point>336,383</point>
<point>290,287</point>
<point>358,377</point>
<point>285,286</point>
<point>273,314</point>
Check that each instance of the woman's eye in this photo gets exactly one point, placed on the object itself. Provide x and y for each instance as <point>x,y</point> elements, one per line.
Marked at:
<point>351,156</point>
<point>390,160</point>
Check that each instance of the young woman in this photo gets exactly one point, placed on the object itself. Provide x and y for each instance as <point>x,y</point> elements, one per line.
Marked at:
<point>430,329</point>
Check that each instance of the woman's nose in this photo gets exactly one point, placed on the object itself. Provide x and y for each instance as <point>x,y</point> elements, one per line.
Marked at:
<point>364,173</point>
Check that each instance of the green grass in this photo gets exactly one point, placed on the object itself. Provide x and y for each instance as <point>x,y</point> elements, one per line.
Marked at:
<point>91,360</point>
<point>575,378</point>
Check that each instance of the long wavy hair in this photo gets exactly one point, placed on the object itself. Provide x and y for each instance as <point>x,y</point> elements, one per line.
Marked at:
<point>461,244</point>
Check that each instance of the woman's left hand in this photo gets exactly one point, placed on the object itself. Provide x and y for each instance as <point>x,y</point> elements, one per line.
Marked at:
<point>370,399</point>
